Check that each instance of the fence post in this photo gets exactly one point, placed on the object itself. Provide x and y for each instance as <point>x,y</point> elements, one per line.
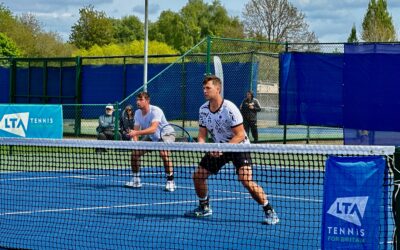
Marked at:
<point>45,82</point>
<point>183,91</point>
<point>116,121</point>
<point>252,74</point>
<point>124,79</point>
<point>78,96</point>
<point>285,126</point>
<point>13,81</point>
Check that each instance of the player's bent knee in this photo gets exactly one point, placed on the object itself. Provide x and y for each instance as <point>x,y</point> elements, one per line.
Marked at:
<point>200,174</point>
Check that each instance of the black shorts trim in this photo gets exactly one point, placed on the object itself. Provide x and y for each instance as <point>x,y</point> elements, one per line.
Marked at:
<point>214,164</point>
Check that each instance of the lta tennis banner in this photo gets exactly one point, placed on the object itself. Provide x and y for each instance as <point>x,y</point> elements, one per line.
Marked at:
<point>31,121</point>
<point>352,204</point>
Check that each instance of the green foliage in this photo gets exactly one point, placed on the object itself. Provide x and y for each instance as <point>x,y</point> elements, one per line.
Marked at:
<point>353,35</point>
<point>28,36</point>
<point>192,23</point>
<point>171,29</point>
<point>128,29</point>
<point>134,48</point>
<point>93,27</point>
<point>8,47</point>
<point>377,24</point>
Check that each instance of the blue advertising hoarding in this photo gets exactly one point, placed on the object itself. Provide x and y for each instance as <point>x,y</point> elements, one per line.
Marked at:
<point>31,121</point>
<point>352,205</point>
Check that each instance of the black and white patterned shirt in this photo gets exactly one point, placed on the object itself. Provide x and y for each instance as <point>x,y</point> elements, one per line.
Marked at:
<point>220,123</point>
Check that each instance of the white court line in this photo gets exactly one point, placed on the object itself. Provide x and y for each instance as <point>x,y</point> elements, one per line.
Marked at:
<point>192,188</point>
<point>139,205</point>
<point>246,193</point>
<point>83,176</point>
<point>108,207</point>
<point>28,178</point>
<point>90,176</point>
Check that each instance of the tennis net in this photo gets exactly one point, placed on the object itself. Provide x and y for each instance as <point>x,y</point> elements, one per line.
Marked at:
<point>68,194</point>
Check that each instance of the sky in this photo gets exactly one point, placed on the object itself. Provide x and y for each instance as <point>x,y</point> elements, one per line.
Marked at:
<point>331,20</point>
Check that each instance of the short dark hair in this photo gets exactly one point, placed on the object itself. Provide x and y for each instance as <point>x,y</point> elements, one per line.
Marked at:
<point>144,95</point>
<point>215,80</point>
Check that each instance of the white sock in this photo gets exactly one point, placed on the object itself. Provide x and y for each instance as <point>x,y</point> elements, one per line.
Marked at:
<point>136,175</point>
<point>265,204</point>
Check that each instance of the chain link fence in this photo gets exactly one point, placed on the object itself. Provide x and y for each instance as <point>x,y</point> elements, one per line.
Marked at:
<point>176,87</point>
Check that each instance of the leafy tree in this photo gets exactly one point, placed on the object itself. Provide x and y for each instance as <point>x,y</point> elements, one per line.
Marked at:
<point>7,47</point>
<point>93,27</point>
<point>128,29</point>
<point>377,24</point>
<point>220,24</point>
<point>353,35</point>
<point>30,39</point>
<point>192,23</point>
<point>276,21</point>
<point>171,29</point>
<point>234,29</point>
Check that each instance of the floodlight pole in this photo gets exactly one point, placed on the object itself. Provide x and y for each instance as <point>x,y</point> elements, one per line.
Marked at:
<point>146,37</point>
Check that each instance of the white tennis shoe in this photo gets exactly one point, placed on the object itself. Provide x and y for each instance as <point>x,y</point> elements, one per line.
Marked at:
<point>134,183</point>
<point>170,186</point>
<point>271,218</point>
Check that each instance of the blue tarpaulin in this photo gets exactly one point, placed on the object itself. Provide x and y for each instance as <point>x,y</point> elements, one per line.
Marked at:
<point>311,86</point>
<point>356,91</point>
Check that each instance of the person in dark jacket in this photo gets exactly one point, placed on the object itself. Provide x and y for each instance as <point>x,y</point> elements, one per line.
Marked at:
<point>106,127</point>
<point>249,108</point>
<point>126,122</point>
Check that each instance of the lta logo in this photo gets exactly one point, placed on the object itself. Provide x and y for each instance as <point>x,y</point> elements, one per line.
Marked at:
<point>16,124</point>
<point>350,209</point>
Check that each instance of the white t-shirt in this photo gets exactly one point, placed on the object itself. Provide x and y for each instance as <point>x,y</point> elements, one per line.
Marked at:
<point>155,114</point>
<point>220,123</point>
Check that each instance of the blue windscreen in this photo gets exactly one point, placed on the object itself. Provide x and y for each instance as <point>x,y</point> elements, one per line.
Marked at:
<point>371,94</point>
<point>371,91</point>
<point>311,86</point>
<point>4,84</point>
<point>357,91</point>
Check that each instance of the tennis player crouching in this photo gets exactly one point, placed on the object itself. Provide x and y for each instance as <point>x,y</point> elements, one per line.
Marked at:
<point>225,123</point>
<point>149,120</point>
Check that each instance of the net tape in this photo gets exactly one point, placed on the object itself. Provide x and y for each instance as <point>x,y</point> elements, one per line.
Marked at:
<point>205,147</point>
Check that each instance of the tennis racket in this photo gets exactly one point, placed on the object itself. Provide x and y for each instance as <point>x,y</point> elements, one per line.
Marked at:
<point>174,133</point>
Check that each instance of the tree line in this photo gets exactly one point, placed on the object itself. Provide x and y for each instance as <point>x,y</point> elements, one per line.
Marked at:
<point>96,34</point>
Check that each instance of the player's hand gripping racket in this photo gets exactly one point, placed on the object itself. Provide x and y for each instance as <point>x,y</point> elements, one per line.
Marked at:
<point>172,132</point>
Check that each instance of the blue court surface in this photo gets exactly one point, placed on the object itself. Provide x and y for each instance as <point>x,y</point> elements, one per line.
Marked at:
<point>90,209</point>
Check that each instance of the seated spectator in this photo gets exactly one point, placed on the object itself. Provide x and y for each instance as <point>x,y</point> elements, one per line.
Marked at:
<point>105,130</point>
<point>126,122</point>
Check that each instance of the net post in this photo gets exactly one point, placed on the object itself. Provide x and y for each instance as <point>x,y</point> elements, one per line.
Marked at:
<point>395,203</point>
